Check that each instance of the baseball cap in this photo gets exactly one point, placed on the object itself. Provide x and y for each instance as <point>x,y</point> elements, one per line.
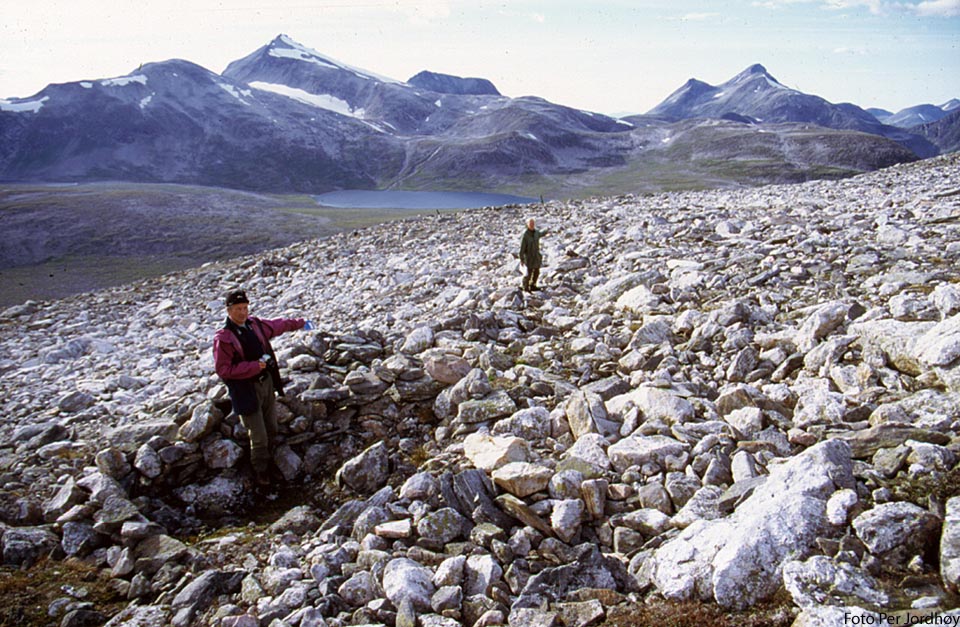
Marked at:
<point>236,297</point>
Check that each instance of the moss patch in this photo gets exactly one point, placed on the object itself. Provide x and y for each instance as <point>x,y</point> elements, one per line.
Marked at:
<point>26,595</point>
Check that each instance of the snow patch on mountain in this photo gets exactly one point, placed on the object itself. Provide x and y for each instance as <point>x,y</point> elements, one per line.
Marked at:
<point>323,101</point>
<point>239,94</point>
<point>123,81</point>
<point>29,106</point>
<point>300,55</point>
<point>146,101</point>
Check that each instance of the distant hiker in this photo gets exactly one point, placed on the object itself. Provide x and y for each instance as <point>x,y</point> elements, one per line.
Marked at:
<point>244,359</point>
<point>530,255</point>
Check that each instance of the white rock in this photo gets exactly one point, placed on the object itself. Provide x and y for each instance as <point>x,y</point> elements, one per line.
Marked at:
<point>840,504</point>
<point>419,340</point>
<point>479,572</point>
<point>488,452</point>
<point>738,560</point>
<point>566,517</point>
<point>522,478</point>
<point>655,403</point>
<point>637,450</point>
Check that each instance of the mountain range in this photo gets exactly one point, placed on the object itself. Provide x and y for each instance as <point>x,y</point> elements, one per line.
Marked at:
<point>287,118</point>
<point>917,114</point>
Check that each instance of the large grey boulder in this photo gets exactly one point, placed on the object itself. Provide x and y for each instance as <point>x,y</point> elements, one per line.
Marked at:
<point>367,472</point>
<point>638,450</point>
<point>738,560</point>
<point>897,530</point>
<point>404,579</point>
<point>23,546</point>
<point>655,404</point>
<point>895,340</point>
<point>220,496</point>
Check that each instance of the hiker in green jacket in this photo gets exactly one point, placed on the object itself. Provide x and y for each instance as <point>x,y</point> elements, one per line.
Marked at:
<point>530,255</point>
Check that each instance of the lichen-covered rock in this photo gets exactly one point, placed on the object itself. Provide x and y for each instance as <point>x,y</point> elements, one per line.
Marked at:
<point>898,530</point>
<point>366,473</point>
<point>442,526</point>
<point>497,405</point>
<point>821,581</point>
<point>950,544</point>
<point>23,546</point>
<point>404,579</point>
<point>217,497</point>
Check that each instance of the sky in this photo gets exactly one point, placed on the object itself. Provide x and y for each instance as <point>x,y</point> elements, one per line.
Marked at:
<point>610,56</point>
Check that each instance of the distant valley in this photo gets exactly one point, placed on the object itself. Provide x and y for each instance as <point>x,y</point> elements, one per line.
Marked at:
<point>65,239</point>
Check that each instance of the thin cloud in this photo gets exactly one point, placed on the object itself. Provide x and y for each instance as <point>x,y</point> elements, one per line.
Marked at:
<point>938,8</point>
<point>925,8</point>
<point>850,51</point>
<point>423,12</point>
<point>531,16</point>
<point>698,17</point>
<point>874,6</point>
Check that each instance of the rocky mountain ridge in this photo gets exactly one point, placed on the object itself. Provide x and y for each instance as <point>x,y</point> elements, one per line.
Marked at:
<point>916,115</point>
<point>717,397</point>
<point>756,95</point>
<point>287,118</point>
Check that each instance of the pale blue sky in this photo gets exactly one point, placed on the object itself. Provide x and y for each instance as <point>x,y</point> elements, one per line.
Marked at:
<point>608,56</point>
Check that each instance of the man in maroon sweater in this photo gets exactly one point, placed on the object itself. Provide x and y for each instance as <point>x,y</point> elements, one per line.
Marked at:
<point>244,359</point>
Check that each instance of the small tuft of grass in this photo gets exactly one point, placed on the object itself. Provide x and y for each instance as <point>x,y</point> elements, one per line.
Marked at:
<point>419,456</point>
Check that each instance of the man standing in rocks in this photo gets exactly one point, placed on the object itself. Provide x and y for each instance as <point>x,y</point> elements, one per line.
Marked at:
<point>245,361</point>
<point>530,255</point>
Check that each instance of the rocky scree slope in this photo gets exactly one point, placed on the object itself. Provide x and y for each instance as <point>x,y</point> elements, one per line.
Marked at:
<point>717,396</point>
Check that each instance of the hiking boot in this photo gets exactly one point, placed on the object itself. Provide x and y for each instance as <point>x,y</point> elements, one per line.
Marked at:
<point>261,478</point>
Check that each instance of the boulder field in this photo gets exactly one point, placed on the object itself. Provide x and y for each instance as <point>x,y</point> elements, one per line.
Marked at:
<point>719,396</point>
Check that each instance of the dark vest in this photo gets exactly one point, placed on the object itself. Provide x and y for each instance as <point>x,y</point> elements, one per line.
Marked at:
<point>243,394</point>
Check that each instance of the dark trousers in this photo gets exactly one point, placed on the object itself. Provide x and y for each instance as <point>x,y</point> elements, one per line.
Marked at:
<point>261,426</point>
<point>530,280</point>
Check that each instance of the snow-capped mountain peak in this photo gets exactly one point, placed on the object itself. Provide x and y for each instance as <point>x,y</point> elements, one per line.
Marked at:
<point>950,105</point>
<point>286,48</point>
<point>753,74</point>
